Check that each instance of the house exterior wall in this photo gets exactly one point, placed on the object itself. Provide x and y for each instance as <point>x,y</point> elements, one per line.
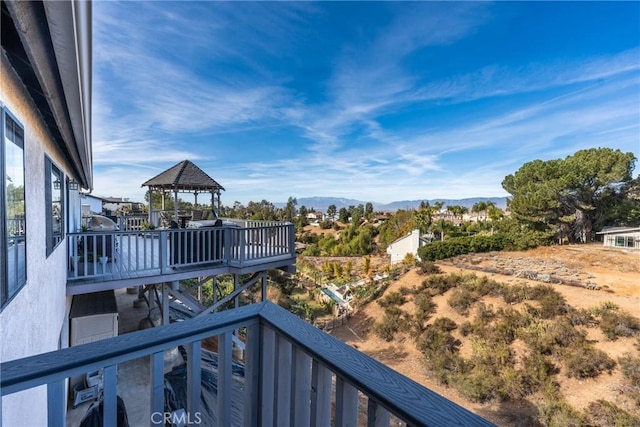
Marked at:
<point>403,246</point>
<point>31,323</point>
<point>629,240</point>
<point>91,204</point>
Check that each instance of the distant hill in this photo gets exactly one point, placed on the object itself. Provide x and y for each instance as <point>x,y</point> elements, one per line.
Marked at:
<point>321,203</point>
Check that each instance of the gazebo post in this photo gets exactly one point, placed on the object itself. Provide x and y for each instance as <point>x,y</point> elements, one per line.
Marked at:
<point>150,205</point>
<point>195,203</point>
<point>175,204</point>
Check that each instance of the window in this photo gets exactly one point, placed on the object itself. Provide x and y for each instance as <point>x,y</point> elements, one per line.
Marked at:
<point>54,190</point>
<point>13,228</point>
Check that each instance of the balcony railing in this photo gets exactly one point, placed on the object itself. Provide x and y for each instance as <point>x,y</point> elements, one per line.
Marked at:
<point>100,254</point>
<point>290,372</point>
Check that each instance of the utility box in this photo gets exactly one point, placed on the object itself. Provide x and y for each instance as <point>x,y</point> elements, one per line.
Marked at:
<point>93,317</point>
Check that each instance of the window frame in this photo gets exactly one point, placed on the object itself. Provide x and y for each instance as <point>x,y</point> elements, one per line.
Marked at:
<point>6,292</point>
<point>53,238</point>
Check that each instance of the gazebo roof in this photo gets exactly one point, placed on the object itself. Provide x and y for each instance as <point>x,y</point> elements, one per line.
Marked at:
<point>184,177</point>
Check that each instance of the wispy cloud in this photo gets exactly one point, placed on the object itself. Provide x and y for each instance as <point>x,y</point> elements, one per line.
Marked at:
<point>275,104</point>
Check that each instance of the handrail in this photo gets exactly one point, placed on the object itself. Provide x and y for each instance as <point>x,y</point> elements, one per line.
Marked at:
<point>107,253</point>
<point>33,371</point>
<point>410,401</point>
<point>295,340</point>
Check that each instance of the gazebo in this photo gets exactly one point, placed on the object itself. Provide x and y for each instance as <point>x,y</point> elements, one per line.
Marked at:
<point>185,177</point>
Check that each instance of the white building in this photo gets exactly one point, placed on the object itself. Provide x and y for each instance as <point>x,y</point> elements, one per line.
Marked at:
<point>621,237</point>
<point>45,100</point>
<point>408,244</point>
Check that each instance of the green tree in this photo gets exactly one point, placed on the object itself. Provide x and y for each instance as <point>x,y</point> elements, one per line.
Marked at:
<point>290,209</point>
<point>368,210</point>
<point>331,211</point>
<point>343,215</point>
<point>457,211</point>
<point>567,195</point>
<point>424,215</point>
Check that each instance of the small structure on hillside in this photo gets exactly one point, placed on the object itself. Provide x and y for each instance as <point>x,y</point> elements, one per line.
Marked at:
<point>621,237</point>
<point>408,244</point>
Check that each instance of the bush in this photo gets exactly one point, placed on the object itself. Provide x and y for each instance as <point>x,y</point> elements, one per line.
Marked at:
<point>461,300</point>
<point>604,307</point>
<point>585,361</point>
<point>392,299</point>
<point>424,308</point>
<point>630,367</point>
<point>444,324</point>
<point>616,324</point>
<point>390,323</point>
<point>462,245</point>
<point>603,413</point>
<point>438,284</point>
<point>428,267</point>
<point>478,386</point>
<point>555,412</point>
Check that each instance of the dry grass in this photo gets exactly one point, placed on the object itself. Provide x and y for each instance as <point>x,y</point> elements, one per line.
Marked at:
<point>617,272</point>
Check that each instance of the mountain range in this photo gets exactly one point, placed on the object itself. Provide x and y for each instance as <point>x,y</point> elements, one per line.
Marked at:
<point>322,203</point>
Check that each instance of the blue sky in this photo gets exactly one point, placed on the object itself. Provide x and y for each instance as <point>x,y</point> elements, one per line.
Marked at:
<point>372,101</point>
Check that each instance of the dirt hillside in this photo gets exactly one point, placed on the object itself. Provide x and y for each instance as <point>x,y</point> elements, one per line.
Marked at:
<point>592,275</point>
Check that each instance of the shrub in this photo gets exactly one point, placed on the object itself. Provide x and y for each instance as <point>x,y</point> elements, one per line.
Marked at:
<point>603,307</point>
<point>438,284</point>
<point>478,386</point>
<point>630,367</point>
<point>603,413</point>
<point>444,324</point>
<point>585,361</point>
<point>428,267</point>
<point>435,341</point>
<point>390,323</point>
<point>424,308</point>
<point>580,316</point>
<point>616,324</point>
<point>537,371</point>
<point>555,412</point>
<point>392,299</point>
<point>461,300</point>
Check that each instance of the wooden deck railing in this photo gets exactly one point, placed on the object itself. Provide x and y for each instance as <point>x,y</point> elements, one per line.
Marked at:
<point>290,372</point>
<point>102,254</point>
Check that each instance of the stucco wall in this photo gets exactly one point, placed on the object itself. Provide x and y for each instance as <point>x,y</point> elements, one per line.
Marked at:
<point>31,323</point>
<point>406,245</point>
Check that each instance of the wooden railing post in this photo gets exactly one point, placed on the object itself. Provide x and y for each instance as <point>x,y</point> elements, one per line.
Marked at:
<point>163,251</point>
<point>346,404</point>
<point>268,390</point>
<point>194,381</point>
<point>301,388</point>
<point>157,387</point>
<point>55,403</point>
<point>321,388</point>
<point>110,394</point>
<point>292,239</point>
<point>224,379</point>
<point>377,416</point>
<point>252,414</point>
<point>283,387</point>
